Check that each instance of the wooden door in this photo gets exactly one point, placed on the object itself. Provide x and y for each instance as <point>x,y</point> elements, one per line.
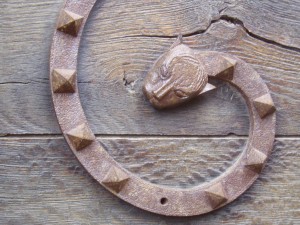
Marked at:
<point>41,180</point>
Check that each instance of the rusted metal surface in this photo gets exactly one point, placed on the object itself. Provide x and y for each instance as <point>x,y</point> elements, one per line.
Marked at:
<point>175,78</point>
<point>179,75</point>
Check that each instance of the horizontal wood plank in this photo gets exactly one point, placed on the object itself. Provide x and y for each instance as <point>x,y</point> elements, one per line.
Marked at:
<point>274,21</point>
<point>41,180</point>
<point>116,80</point>
<point>43,183</point>
<point>113,60</point>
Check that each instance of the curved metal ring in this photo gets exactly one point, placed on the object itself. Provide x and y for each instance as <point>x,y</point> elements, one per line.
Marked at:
<point>148,196</point>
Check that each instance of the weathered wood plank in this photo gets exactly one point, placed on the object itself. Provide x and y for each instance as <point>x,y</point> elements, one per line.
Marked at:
<point>276,21</point>
<point>179,162</point>
<point>43,183</point>
<point>106,72</point>
<point>115,56</point>
<point>27,31</point>
<point>102,75</point>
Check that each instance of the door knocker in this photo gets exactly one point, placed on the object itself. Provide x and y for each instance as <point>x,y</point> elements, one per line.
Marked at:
<point>178,75</point>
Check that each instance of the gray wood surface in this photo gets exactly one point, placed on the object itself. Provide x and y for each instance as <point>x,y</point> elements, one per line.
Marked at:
<point>119,45</point>
<point>42,182</point>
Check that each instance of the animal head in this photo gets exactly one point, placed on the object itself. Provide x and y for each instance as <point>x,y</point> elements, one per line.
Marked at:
<point>176,77</point>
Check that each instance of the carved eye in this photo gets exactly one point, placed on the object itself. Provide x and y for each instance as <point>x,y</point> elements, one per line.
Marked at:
<point>164,73</point>
<point>181,94</point>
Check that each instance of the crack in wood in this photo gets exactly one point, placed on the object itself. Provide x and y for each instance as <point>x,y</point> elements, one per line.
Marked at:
<point>133,136</point>
<point>226,18</point>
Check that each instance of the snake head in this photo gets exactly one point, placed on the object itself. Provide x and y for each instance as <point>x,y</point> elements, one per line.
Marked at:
<point>176,77</point>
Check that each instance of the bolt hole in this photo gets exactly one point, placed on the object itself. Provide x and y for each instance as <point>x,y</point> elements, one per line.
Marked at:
<point>163,201</point>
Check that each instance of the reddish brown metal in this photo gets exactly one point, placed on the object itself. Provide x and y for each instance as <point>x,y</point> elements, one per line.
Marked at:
<point>115,179</point>
<point>69,22</point>
<point>80,136</point>
<point>179,75</point>
<point>176,77</point>
<point>64,81</point>
<point>216,195</point>
<point>264,105</point>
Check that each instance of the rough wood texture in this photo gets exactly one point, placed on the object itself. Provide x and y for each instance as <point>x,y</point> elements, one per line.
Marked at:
<point>176,162</point>
<point>273,21</point>
<point>42,183</point>
<point>119,46</point>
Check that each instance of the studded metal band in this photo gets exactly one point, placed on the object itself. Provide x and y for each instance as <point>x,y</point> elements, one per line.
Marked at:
<point>127,186</point>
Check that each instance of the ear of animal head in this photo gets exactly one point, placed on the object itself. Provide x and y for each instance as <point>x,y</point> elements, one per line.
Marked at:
<point>178,41</point>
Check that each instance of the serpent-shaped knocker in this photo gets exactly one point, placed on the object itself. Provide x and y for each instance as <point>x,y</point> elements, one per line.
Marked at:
<point>182,74</point>
<point>178,75</point>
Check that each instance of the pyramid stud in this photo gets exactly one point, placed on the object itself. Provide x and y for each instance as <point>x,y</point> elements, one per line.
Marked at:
<point>255,160</point>
<point>216,195</point>
<point>115,179</point>
<point>63,81</point>
<point>227,68</point>
<point>81,137</point>
<point>69,22</point>
<point>264,105</point>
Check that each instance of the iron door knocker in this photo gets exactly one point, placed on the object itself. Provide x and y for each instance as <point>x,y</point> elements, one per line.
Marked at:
<point>178,75</point>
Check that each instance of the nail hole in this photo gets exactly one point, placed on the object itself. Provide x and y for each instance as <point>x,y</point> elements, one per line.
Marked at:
<point>163,201</point>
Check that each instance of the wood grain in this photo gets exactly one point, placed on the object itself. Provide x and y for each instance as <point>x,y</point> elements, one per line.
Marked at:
<point>179,162</point>
<point>115,56</point>
<point>274,21</point>
<point>219,113</point>
<point>42,182</point>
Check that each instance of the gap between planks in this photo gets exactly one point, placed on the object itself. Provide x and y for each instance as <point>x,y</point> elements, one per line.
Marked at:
<point>150,137</point>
